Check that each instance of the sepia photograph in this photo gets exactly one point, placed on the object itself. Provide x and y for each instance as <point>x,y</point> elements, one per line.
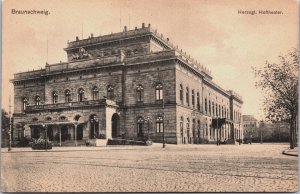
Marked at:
<point>149,96</point>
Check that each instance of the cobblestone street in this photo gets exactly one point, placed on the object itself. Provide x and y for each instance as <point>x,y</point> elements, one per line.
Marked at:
<point>190,168</point>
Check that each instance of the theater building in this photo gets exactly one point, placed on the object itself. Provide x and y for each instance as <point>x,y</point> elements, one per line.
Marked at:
<point>133,84</point>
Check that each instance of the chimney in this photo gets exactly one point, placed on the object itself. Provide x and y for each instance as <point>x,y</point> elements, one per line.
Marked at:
<point>143,25</point>
<point>149,25</point>
<point>168,39</point>
<point>135,28</point>
<point>77,39</point>
<point>125,28</point>
<point>92,35</point>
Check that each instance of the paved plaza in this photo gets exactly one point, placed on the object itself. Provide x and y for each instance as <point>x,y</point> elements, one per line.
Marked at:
<point>181,168</point>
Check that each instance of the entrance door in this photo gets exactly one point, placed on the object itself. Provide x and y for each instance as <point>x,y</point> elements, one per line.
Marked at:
<point>115,125</point>
<point>50,133</point>
<point>140,130</point>
<point>36,132</point>
<point>64,133</point>
<point>79,132</point>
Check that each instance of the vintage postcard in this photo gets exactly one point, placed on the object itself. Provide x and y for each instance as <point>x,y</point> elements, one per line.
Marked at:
<point>149,96</point>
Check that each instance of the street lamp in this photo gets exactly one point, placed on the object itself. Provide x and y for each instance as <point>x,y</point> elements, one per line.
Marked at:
<point>45,126</point>
<point>193,124</point>
<point>77,117</point>
<point>148,121</point>
<point>163,104</point>
<point>10,139</point>
<point>75,124</point>
<point>94,120</point>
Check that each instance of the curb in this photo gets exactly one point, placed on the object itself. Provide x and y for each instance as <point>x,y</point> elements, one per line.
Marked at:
<point>289,154</point>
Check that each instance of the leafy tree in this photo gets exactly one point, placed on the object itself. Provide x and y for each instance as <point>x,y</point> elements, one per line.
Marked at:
<point>4,128</point>
<point>5,120</point>
<point>279,82</point>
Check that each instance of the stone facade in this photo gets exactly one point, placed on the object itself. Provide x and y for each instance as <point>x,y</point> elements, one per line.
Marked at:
<point>134,84</point>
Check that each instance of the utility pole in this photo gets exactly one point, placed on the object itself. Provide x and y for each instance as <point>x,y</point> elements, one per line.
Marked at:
<point>260,126</point>
<point>9,106</point>
<point>163,104</point>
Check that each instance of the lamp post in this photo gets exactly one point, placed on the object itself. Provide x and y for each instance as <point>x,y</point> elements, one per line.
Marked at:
<point>193,124</point>
<point>148,122</point>
<point>75,135</point>
<point>45,126</point>
<point>94,121</point>
<point>202,126</point>
<point>260,126</point>
<point>163,104</point>
<point>239,133</point>
<point>9,132</point>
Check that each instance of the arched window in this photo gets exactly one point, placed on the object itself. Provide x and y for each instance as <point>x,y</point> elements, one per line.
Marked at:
<point>140,93</point>
<point>80,95</point>
<point>95,93</point>
<point>217,110</point>
<point>67,96</point>
<point>62,118</point>
<point>37,100</point>
<point>128,52</point>
<point>159,124</point>
<point>205,105</point>
<point>209,107</point>
<point>140,123</point>
<point>187,123</point>
<point>159,92</point>
<point>25,102</point>
<point>181,93</point>
<point>110,92</point>
<point>213,108</point>
<point>193,98</point>
<point>54,97</point>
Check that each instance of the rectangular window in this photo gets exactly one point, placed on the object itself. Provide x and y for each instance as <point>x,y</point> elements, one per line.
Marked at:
<point>198,101</point>
<point>193,98</point>
<point>181,94</point>
<point>187,97</point>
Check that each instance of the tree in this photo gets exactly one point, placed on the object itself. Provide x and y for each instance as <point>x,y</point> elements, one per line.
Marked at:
<point>4,128</point>
<point>279,82</point>
<point>5,120</point>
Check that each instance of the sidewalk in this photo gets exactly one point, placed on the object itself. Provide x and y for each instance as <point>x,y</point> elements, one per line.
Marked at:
<point>289,152</point>
<point>82,148</point>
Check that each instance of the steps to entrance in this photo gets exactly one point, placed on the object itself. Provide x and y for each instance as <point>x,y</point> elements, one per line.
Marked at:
<point>128,142</point>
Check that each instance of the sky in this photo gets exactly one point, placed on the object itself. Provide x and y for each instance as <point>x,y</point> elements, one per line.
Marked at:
<point>211,31</point>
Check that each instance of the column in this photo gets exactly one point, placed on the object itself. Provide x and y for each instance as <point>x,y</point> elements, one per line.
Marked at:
<point>59,135</point>
<point>75,134</point>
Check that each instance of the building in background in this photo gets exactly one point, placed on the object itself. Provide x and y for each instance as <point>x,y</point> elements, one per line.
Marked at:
<point>261,131</point>
<point>132,84</point>
<point>250,127</point>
